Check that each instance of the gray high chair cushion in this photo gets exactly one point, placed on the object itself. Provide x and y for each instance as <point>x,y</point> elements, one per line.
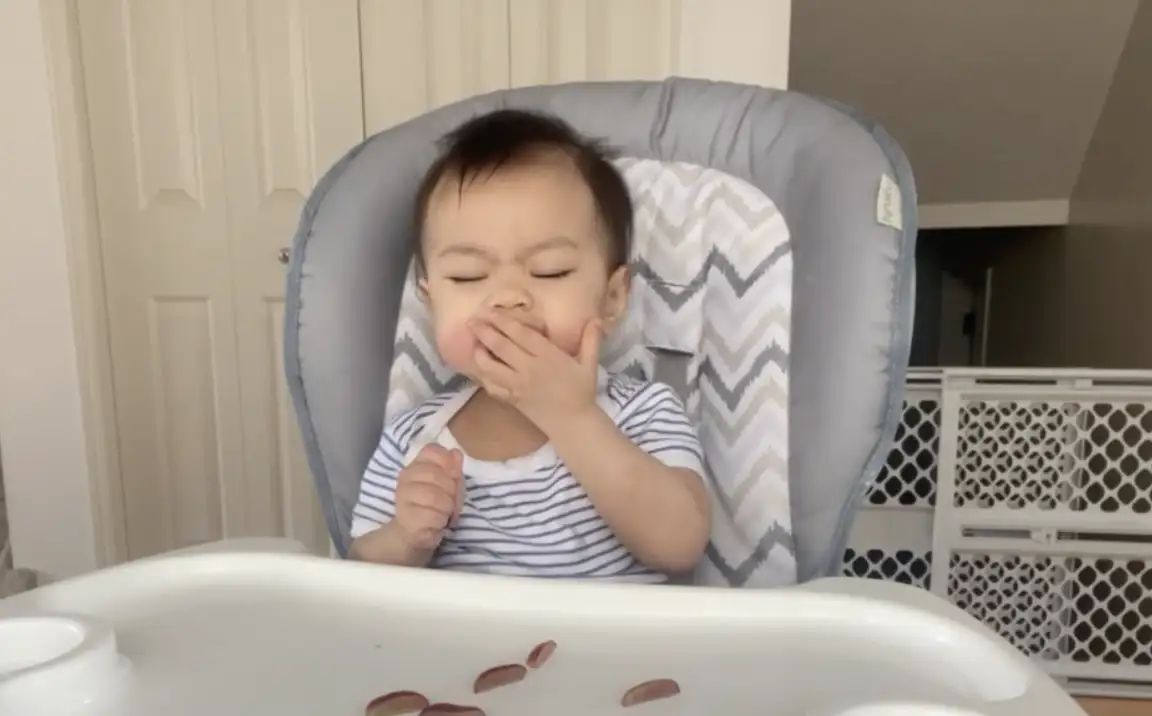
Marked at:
<point>844,191</point>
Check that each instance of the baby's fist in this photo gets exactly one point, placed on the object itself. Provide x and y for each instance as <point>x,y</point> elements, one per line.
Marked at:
<point>429,493</point>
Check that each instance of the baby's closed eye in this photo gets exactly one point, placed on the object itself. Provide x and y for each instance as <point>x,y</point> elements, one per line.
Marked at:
<point>552,274</point>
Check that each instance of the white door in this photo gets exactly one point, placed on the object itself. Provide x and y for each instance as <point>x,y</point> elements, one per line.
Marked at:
<point>291,105</point>
<point>153,107</point>
<point>573,40</point>
<point>210,120</point>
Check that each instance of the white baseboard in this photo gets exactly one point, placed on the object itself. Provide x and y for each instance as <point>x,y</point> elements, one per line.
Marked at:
<point>987,214</point>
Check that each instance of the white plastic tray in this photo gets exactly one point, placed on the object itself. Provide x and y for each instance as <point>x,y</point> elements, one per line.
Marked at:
<point>264,630</point>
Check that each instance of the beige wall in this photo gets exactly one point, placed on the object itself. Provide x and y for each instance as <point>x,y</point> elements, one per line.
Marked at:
<point>44,451</point>
<point>993,100</point>
<point>1078,295</point>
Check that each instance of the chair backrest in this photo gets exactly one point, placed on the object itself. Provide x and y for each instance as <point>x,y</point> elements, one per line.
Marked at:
<point>821,202</point>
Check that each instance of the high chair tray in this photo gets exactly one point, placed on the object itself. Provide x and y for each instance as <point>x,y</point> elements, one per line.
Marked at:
<point>264,630</point>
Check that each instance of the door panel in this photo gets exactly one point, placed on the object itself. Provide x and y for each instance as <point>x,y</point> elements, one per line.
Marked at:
<point>211,121</point>
<point>150,74</point>
<point>291,101</point>
<point>575,40</point>
<point>424,54</point>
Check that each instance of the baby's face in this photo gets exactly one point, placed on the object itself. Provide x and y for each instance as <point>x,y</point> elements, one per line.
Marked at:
<point>525,240</point>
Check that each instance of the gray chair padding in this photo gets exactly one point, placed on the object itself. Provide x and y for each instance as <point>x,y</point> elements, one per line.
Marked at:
<point>820,163</point>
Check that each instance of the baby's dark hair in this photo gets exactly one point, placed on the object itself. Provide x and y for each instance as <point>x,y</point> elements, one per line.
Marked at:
<point>484,144</point>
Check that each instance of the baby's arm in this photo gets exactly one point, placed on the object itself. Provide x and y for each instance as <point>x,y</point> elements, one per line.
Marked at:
<point>644,477</point>
<point>374,538</point>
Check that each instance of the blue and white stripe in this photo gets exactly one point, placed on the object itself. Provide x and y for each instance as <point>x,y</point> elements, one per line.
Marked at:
<point>529,516</point>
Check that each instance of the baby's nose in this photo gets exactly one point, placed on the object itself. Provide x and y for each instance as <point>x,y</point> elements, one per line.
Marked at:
<point>510,297</point>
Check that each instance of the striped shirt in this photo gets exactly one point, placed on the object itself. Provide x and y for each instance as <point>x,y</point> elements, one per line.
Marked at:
<point>528,516</point>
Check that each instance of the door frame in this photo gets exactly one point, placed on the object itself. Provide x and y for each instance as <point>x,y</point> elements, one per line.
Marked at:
<point>86,275</point>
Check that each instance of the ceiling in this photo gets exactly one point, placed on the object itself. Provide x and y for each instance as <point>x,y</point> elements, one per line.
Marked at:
<point>993,100</point>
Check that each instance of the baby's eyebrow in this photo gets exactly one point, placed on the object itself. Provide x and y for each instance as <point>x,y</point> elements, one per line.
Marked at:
<point>465,250</point>
<point>552,242</point>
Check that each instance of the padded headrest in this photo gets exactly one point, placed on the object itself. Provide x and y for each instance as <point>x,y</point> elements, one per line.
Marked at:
<point>841,184</point>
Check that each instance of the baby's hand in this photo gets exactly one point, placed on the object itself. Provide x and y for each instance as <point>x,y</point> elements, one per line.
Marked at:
<point>429,493</point>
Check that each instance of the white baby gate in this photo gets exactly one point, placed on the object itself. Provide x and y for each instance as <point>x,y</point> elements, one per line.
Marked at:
<point>1025,497</point>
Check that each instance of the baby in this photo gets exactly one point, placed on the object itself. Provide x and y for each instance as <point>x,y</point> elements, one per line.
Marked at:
<point>544,465</point>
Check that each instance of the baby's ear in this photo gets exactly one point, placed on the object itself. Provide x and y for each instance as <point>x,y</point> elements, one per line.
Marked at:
<point>422,289</point>
<point>616,297</point>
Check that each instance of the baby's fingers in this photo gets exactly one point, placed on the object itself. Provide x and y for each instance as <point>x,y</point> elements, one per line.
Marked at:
<point>436,455</point>
<point>426,537</point>
<point>435,496</point>
<point>442,469</point>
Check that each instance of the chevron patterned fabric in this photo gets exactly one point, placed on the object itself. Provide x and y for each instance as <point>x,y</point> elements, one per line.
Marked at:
<point>712,280</point>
